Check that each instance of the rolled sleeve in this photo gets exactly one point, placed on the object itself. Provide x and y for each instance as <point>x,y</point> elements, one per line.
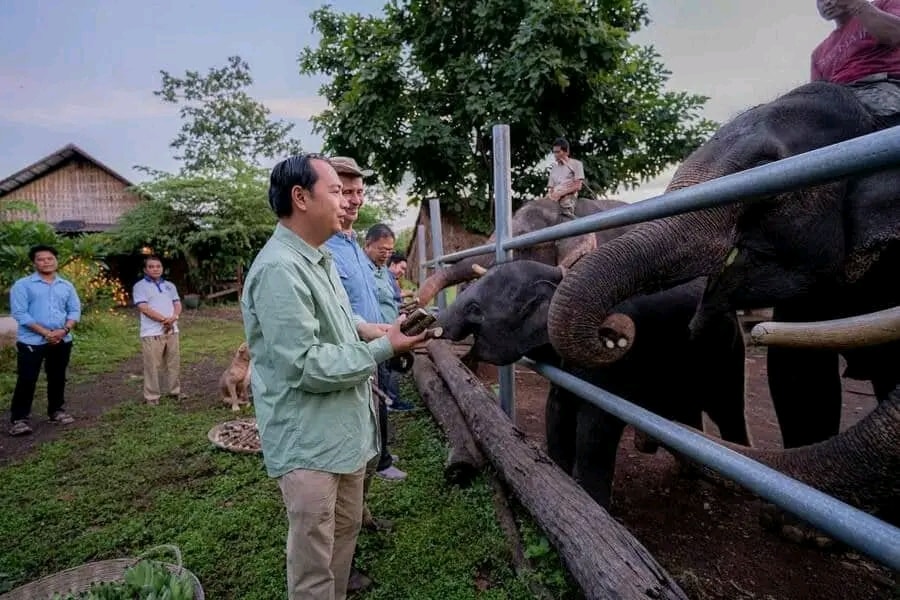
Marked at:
<point>292,338</point>
<point>73,305</point>
<point>578,171</point>
<point>18,305</point>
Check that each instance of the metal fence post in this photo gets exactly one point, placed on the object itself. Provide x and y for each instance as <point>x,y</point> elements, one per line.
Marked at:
<point>503,222</point>
<point>437,242</point>
<point>420,252</point>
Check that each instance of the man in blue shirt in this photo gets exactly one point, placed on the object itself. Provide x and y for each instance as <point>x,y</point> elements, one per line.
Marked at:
<point>46,307</point>
<point>353,267</point>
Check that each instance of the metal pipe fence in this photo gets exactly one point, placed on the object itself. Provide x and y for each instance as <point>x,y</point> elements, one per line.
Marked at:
<point>858,156</point>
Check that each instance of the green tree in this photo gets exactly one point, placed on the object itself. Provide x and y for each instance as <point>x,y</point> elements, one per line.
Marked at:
<point>419,88</point>
<point>382,206</point>
<point>222,123</point>
<point>215,223</point>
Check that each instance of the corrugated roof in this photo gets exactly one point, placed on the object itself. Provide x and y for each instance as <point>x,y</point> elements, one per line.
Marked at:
<point>49,163</point>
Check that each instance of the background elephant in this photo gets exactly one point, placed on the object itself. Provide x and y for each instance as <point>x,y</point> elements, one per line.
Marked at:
<point>534,215</point>
<point>826,252</point>
<point>665,372</point>
<point>821,253</point>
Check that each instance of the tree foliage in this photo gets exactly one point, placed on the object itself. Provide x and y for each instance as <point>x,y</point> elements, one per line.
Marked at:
<point>78,259</point>
<point>215,223</point>
<point>222,123</point>
<point>419,88</point>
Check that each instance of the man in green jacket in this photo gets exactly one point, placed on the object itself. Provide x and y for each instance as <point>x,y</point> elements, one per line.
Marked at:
<point>312,362</point>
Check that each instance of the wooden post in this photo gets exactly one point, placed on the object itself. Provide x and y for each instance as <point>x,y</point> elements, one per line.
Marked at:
<point>600,553</point>
<point>465,459</point>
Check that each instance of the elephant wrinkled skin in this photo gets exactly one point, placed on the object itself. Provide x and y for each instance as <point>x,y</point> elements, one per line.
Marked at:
<point>666,371</point>
<point>827,252</point>
<point>534,215</point>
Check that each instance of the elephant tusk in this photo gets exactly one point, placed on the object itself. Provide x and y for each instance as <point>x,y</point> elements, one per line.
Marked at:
<point>479,270</point>
<point>859,331</point>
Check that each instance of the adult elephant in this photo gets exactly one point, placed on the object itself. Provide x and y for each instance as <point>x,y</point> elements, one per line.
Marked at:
<point>666,371</point>
<point>537,214</point>
<point>822,253</point>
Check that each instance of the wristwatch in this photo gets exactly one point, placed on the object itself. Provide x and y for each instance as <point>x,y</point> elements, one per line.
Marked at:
<point>67,330</point>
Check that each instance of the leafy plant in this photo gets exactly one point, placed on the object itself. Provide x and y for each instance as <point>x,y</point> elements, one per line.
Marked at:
<point>418,90</point>
<point>222,123</point>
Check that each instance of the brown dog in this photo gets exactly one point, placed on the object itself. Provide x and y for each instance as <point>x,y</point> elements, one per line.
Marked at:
<point>235,381</point>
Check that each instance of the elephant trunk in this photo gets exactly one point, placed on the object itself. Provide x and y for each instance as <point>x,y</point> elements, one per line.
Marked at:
<point>648,259</point>
<point>450,276</point>
<point>860,466</point>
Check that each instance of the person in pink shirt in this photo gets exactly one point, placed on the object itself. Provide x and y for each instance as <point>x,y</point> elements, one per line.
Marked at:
<point>863,51</point>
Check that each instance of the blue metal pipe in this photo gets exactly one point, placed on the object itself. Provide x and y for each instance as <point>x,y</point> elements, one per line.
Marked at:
<point>858,156</point>
<point>874,537</point>
<point>503,218</point>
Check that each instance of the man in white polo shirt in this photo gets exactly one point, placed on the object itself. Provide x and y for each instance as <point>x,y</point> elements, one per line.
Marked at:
<point>159,305</point>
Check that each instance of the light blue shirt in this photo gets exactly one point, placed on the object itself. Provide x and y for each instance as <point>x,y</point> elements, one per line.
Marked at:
<point>50,304</point>
<point>355,271</point>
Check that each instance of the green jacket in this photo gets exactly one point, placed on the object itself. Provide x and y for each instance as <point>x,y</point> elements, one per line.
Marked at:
<point>310,371</point>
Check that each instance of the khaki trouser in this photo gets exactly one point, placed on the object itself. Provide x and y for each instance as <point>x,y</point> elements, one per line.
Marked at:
<point>324,515</point>
<point>161,352</point>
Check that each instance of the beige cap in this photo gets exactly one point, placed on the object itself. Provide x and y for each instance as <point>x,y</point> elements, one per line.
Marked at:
<point>344,165</point>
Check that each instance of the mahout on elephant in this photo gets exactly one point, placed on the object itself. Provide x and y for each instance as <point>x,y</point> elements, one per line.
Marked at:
<point>825,252</point>
<point>666,371</point>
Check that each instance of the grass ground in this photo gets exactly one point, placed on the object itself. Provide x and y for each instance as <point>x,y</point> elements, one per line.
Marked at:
<point>143,476</point>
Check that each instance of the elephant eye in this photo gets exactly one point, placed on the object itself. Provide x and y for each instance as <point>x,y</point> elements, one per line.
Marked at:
<point>473,313</point>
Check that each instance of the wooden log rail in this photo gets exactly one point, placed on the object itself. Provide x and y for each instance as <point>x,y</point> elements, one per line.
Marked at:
<point>600,553</point>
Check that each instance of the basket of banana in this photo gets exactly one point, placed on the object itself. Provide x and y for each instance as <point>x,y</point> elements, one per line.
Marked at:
<point>117,579</point>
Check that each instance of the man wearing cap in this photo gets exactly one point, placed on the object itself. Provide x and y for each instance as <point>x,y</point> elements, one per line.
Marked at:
<point>352,266</point>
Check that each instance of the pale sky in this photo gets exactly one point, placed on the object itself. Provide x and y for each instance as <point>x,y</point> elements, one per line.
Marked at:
<point>83,72</point>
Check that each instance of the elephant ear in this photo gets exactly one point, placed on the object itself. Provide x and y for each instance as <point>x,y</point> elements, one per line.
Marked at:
<point>571,250</point>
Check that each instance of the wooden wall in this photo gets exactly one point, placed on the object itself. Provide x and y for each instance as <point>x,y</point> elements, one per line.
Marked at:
<point>454,238</point>
<point>77,191</point>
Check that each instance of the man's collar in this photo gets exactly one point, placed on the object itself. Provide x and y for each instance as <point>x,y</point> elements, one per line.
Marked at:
<point>156,281</point>
<point>294,241</point>
<point>37,276</point>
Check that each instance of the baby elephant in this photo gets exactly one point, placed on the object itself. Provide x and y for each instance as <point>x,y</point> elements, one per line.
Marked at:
<point>235,381</point>
<point>665,371</point>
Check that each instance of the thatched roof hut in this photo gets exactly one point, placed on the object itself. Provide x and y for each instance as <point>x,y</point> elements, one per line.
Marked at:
<point>73,191</point>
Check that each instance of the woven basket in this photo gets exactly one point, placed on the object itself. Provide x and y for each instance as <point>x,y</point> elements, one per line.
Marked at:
<point>218,435</point>
<point>79,579</point>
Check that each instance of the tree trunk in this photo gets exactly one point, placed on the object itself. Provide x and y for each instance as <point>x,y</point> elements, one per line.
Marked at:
<point>465,460</point>
<point>602,556</point>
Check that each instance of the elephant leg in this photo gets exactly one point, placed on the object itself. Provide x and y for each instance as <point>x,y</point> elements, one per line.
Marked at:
<point>723,400</point>
<point>596,442</point>
<point>806,392</point>
<point>560,418</point>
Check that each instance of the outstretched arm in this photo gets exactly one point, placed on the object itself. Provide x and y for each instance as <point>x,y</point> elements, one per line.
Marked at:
<point>882,25</point>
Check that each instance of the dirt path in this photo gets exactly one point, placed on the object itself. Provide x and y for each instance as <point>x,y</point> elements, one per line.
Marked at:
<point>88,401</point>
<point>709,538</point>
